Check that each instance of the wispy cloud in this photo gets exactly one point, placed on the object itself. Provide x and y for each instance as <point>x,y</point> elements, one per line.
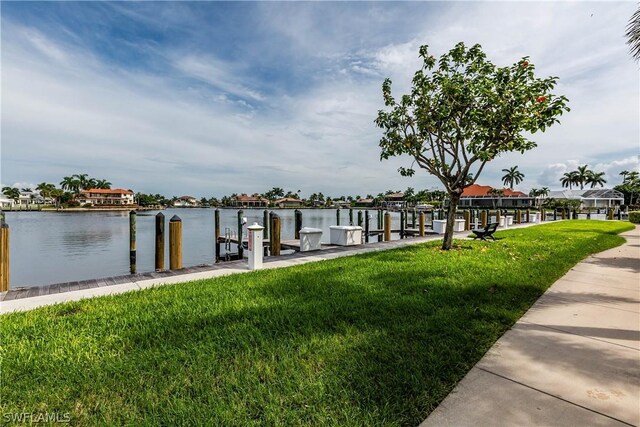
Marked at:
<point>217,98</point>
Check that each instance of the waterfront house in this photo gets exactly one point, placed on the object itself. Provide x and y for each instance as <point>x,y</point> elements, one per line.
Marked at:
<point>186,202</point>
<point>591,198</point>
<point>394,201</point>
<point>254,201</point>
<point>5,202</point>
<point>288,202</point>
<point>480,196</point>
<point>363,203</point>
<point>106,197</point>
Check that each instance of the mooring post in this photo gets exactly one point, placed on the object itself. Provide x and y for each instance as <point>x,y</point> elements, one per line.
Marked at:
<point>543,214</point>
<point>467,219</point>
<point>216,226</point>
<point>4,255</point>
<point>380,224</point>
<point>387,227</point>
<point>175,243</point>
<point>240,248</point>
<point>619,214</point>
<point>555,214</point>
<point>366,226</point>
<point>159,242</point>
<point>403,216</point>
<point>350,216</point>
<point>298,224</point>
<point>275,235</point>
<point>359,218</point>
<point>498,215</point>
<point>265,224</point>
<point>483,218</point>
<point>413,218</point>
<point>518,216</point>
<point>610,214</point>
<point>338,216</point>
<point>528,213</point>
<point>132,242</point>
<point>421,222</point>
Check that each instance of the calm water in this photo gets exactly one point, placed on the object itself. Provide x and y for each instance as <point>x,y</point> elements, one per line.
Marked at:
<point>52,247</point>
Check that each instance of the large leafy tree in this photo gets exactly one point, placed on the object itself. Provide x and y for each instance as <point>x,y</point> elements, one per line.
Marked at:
<point>462,112</point>
<point>512,177</point>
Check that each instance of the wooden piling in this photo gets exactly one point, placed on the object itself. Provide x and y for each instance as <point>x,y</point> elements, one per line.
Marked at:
<point>421,222</point>
<point>387,227</point>
<point>159,254</point>
<point>266,224</point>
<point>338,216</point>
<point>610,214</point>
<point>216,226</point>
<point>543,215</point>
<point>175,243</point>
<point>498,215</point>
<point>380,224</point>
<point>483,218</point>
<point>359,218</point>
<point>403,217</point>
<point>366,226</point>
<point>555,214</point>
<point>528,215</point>
<point>518,216</point>
<point>298,224</point>
<point>467,220</point>
<point>275,235</point>
<point>240,248</point>
<point>4,255</point>
<point>562,214</point>
<point>413,218</point>
<point>350,216</point>
<point>132,242</point>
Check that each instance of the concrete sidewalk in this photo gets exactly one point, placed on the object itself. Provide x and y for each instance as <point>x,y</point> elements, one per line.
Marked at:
<point>572,360</point>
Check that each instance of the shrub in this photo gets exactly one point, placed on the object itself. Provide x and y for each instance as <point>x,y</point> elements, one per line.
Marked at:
<point>87,205</point>
<point>634,217</point>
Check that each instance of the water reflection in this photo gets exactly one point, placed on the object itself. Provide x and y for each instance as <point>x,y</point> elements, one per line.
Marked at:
<point>51,247</point>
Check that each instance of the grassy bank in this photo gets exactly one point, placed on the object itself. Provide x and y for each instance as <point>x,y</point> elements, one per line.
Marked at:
<point>376,339</point>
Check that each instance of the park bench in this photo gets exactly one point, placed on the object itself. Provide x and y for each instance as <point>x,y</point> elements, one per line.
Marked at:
<point>485,232</point>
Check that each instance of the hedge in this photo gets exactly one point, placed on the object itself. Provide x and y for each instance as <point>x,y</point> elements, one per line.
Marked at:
<point>634,217</point>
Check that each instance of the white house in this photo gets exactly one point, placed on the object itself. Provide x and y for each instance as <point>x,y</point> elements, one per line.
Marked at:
<point>186,202</point>
<point>106,197</point>
<point>591,198</point>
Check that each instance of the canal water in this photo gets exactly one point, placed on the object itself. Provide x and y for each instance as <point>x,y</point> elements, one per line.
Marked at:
<point>53,247</point>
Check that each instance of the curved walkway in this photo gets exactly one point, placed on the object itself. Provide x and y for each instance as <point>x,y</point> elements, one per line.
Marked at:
<point>573,358</point>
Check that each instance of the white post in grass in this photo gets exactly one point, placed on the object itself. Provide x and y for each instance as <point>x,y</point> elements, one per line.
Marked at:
<point>255,246</point>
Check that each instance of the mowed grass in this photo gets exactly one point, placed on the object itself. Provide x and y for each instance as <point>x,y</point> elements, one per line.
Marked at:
<point>375,339</point>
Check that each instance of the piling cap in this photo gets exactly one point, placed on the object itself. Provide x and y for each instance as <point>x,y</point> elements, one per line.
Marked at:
<point>160,215</point>
<point>175,218</point>
<point>255,226</point>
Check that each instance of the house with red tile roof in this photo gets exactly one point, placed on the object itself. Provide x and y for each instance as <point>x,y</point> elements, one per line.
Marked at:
<point>106,197</point>
<point>481,196</point>
<point>254,201</point>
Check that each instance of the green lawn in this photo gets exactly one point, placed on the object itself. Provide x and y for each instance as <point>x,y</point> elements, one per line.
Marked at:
<point>375,339</point>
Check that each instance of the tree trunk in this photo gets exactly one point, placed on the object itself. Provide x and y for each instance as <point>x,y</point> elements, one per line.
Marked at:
<point>454,199</point>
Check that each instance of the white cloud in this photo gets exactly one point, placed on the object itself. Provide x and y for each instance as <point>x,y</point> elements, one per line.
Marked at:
<point>210,126</point>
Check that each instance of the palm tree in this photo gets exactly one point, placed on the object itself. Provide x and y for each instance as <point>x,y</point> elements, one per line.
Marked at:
<point>12,193</point>
<point>512,176</point>
<point>633,35</point>
<point>569,179</point>
<point>83,180</point>
<point>70,183</point>
<point>495,194</point>
<point>45,189</point>
<point>102,184</point>
<point>596,178</point>
<point>582,175</point>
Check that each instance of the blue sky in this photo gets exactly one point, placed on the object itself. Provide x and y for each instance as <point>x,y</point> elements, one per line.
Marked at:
<point>211,98</point>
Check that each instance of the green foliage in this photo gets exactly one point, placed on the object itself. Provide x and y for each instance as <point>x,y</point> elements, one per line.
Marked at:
<point>462,112</point>
<point>376,339</point>
<point>634,217</point>
<point>561,203</point>
<point>512,177</point>
<point>583,176</point>
<point>630,187</point>
<point>11,193</point>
